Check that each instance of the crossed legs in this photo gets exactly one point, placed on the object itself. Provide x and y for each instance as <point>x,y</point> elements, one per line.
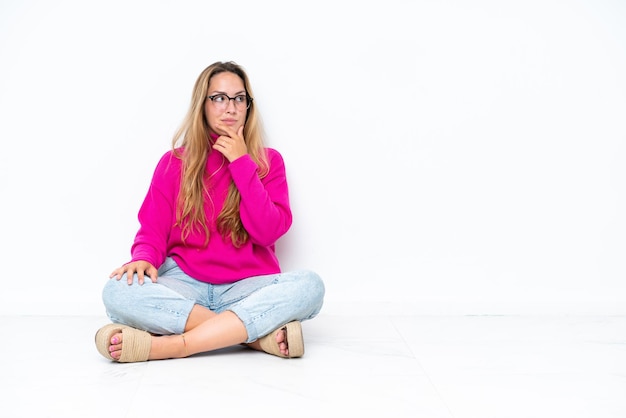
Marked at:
<point>205,331</point>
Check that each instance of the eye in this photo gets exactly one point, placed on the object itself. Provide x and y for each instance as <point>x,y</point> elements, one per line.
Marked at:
<point>219,98</point>
<point>240,99</point>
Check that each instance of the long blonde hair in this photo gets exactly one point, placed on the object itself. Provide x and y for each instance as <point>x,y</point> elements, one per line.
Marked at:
<point>193,135</point>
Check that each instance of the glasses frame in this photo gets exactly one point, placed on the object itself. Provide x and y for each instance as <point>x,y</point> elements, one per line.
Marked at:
<point>248,99</point>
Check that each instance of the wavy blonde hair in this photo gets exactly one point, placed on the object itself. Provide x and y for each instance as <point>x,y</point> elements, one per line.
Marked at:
<point>193,136</point>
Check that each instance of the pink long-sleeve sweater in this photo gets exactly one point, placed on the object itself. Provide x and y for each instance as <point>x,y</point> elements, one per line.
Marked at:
<point>264,211</point>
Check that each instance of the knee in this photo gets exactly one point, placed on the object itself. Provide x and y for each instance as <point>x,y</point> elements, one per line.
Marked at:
<point>314,288</point>
<point>113,294</point>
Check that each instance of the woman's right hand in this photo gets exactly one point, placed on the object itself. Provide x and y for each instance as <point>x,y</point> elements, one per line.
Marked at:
<point>142,268</point>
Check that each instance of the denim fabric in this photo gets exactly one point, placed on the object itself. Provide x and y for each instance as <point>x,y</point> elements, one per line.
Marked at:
<point>263,303</point>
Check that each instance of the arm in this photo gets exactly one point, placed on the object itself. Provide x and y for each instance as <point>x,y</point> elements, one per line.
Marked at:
<point>264,208</point>
<point>157,213</point>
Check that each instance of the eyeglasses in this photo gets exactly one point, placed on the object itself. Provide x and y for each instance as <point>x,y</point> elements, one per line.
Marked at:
<point>221,101</point>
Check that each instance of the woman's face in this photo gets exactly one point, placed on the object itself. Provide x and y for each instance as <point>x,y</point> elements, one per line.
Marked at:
<point>229,104</point>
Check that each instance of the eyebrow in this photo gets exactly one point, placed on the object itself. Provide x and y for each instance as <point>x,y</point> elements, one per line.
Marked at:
<point>223,92</point>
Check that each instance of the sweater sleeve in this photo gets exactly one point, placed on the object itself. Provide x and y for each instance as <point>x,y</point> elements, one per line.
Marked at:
<point>156,215</point>
<point>264,208</point>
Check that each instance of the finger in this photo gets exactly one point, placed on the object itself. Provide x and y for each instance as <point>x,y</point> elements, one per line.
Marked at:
<point>140,276</point>
<point>129,276</point>
<point>230,132</point>
<point>154,274</point>
<point>219,146</point>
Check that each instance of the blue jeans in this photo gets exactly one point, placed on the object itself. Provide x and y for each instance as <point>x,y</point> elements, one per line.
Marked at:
<point>262,303</point>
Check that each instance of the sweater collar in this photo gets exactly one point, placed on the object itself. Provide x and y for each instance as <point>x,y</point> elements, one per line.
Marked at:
<point>213,137</point>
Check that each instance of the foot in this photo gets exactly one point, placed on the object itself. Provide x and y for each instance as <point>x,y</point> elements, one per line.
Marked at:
<point>281,340</point>
<point>162,347</point>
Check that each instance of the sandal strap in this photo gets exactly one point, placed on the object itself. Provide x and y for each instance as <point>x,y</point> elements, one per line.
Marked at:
<point>295,341</point>
<point>137,343</point>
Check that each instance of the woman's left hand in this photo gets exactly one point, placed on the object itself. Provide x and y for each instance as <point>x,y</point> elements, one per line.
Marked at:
<point>232,144</point>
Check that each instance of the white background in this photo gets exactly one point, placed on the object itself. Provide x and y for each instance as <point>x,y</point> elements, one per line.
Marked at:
<point>444,157</point>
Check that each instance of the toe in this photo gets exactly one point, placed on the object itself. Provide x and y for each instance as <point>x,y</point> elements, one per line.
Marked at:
<point>116,339</point>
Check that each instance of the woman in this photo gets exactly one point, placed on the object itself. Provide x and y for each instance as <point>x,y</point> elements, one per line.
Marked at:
<point>203,273</point>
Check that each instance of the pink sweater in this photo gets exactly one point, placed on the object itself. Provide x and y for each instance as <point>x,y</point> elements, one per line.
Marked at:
<point>264,209</point>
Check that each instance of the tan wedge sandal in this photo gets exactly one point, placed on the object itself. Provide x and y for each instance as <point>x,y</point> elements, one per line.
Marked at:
<point>295,341</point>
<point>137,343</point>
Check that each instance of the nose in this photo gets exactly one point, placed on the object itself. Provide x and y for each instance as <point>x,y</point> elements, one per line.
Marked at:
<point>231,102</point>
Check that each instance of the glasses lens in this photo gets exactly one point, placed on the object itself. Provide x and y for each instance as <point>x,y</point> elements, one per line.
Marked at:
<point>241,101</point>
<point>220,100</point>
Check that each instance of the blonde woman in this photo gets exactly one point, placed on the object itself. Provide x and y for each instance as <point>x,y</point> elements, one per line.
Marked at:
<point>203,273</point>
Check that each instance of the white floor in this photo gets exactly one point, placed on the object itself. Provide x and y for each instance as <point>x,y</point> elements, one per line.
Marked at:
<point>384,366</point>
